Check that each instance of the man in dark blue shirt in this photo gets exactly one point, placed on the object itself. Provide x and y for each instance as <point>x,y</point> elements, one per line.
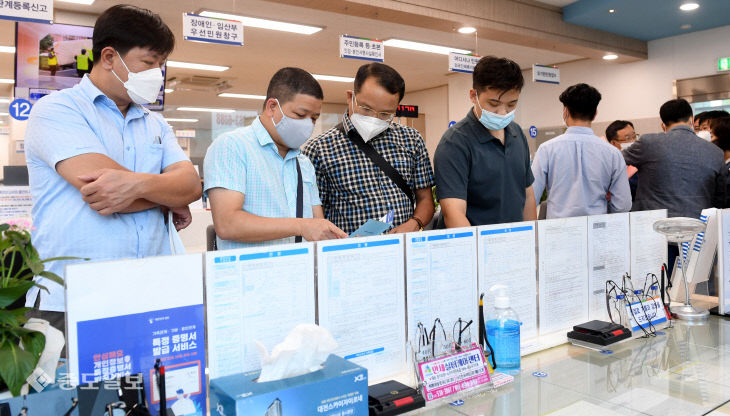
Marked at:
<point>482,164</point>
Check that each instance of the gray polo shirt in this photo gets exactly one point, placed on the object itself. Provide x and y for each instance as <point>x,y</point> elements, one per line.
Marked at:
<point>473,165</point>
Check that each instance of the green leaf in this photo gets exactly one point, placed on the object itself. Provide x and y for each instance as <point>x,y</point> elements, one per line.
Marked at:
<point>16,365</point>
<point>8,318</point>
<point>10,294</point>
<point>4,227</point>
<point>34,342</point>
<point>52,277</point>
<point>64,258</point>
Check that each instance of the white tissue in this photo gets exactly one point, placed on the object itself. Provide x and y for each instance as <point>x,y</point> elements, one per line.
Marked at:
<point>303,351</point>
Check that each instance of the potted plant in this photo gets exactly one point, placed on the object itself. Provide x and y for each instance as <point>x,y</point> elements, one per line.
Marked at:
<point>20,348</point>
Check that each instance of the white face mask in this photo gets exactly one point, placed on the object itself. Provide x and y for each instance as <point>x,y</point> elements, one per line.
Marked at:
<point>625,146</point>
<point>367,126</point>
<point>142,87</point>
<point>704,134</point>
<point>293,131</point>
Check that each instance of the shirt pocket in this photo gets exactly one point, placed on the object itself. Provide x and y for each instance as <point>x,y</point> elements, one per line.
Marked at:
<point>152,158</point>
<point>402,160</point>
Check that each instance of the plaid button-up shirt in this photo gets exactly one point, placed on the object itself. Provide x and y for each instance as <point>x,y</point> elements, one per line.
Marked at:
<point>353,189</point>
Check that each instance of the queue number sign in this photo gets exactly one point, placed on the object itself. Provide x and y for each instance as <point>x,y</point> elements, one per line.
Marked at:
<point>20,109</point>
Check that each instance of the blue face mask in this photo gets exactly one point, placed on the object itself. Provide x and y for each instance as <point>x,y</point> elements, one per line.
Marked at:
<point>494,121</point>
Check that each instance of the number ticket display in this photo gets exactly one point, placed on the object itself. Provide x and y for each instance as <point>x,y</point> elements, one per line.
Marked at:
<point>453,373</point>
<point>653,311</point>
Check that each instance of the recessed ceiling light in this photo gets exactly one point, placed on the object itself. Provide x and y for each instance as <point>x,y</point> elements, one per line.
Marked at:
<point>7,81</point>
<point>689,6</point>
<point>168,90</point>
<point>207,110</point>
<point>181,120</point>
<point>191,65</point>
<point>610,56</point>
<point>685,26</point>
<point>467,30</point>
<point>4,114</point>
<point>423,47</point>
<point>334,78</point>
<point>84,2</point>
<point>264,23</point>
<point>4,100</point>
<point>246,96</point>
<point>7,49</point>
<point>612,10</point>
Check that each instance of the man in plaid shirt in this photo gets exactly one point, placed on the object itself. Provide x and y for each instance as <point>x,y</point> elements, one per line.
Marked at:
<point>353,189</point>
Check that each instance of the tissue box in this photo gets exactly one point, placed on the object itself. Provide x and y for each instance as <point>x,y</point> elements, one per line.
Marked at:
<point>340,388</point>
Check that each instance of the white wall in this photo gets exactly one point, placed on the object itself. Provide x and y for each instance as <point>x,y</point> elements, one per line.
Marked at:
<point>433,103</point>
<point>630,91</point>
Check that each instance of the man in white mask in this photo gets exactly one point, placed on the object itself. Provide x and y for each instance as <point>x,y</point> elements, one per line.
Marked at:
<point>103,169</point>
<point>261,190</point>
<point>368,164</point>
<point>621,134</point>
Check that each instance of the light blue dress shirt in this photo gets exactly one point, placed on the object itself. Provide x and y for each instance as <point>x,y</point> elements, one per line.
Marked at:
<point>579,169</point>
<point>82,120</point>
<point>247,160</point>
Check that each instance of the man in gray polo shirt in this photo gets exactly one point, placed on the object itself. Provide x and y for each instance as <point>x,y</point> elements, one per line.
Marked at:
<point>482,164</point>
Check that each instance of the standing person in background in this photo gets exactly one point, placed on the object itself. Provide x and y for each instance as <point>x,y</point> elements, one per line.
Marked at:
<point>721,137</point>
<point>679,171</point>
<point>577,168</point>
<point>621,135</point>
<point>52,61</point>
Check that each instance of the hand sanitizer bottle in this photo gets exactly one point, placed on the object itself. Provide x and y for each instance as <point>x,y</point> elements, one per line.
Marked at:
<point>503,332</point>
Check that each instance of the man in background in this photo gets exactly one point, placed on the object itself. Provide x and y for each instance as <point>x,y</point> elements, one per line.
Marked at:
<point>577,168</point>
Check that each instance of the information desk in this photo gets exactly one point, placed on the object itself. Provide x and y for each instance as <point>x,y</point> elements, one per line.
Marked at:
<point>684,372</point>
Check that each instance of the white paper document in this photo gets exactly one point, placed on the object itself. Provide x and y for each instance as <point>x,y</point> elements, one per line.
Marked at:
<point>648,247</point>
<point>609,258</point>
<point>255,294</point>
<point>563,271</point>
<point>441,270</point>
<point>507,256</point>
<point>361,296</point>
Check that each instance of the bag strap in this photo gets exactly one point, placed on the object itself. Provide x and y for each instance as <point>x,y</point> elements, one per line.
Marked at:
<point>379,161</point>
<point>300,197</point>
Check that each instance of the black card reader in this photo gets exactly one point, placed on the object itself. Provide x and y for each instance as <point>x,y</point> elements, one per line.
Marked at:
<point>599,332</point>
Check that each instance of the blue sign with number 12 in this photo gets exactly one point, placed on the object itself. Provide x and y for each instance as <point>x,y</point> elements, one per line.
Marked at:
<point>20,109</point>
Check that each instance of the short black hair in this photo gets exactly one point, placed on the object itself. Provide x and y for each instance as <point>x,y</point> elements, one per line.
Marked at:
<point>713,115</point>
<point>124,27</point>
<point>288,82</point>
<point>501,74</point>
<point>386,77</point>
<point>673,111</point>
<point>582,101</point>
<point>613,128</point>
<point>721,131</point>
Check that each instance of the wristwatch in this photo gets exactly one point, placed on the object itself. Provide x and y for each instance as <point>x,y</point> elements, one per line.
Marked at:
<point>420,224</point>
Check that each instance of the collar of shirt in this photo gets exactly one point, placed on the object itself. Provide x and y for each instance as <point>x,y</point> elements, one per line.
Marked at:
<point>579,130</point>
<point>94,94</point>
<point>479,129</point>
<point>265,140</point>
<point>683,127</point>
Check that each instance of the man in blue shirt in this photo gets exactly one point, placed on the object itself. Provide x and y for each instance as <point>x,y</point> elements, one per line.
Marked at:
<point>577,168</point>
<point>261,190</point>
<point>102,167</point>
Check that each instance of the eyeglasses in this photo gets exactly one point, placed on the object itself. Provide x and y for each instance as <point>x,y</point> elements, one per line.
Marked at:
<point>385,116</point>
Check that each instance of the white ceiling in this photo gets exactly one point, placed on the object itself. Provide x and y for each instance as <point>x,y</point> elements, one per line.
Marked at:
<point>265,51</point>
<point>558,3</point>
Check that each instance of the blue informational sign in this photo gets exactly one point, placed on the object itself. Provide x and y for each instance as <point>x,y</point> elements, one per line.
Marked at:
<point>533,131</point>
<point>451,123</point>
<point>20,109</point>
<point>176,336</point>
